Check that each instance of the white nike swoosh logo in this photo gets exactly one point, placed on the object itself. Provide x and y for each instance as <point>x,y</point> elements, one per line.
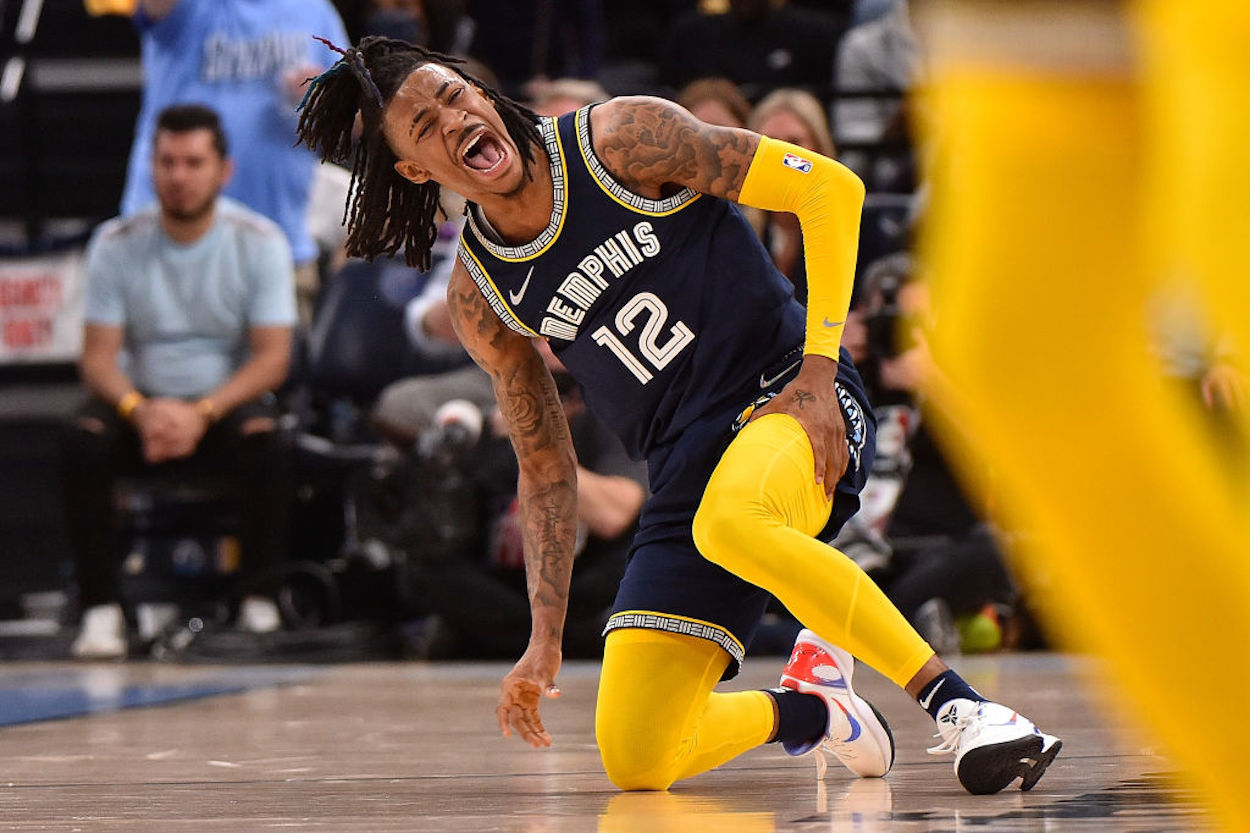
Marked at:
<point>516,297</point>
<point>924,704</point>
<point>768,383</point>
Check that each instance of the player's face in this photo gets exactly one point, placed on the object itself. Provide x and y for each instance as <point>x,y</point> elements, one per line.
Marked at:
<point>187,173</point>
<point>441,128</point>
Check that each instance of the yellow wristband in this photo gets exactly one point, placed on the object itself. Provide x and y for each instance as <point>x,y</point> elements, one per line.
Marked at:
<point>207,409</point>
<point>127,404</point>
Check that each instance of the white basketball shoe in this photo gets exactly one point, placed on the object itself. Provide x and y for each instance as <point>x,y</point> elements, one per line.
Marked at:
<point>993,746</point>
<point>102,635</point>
<point>857,733</point>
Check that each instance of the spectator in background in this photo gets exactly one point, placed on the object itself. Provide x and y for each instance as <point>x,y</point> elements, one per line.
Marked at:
<point>249,62</point>
<point>563,95</point>
<point>189,312</point>
<point>716,101</point>
<point>757,44</point>
<point>880,58</point>
<point>794,116</point>
<point>935,555</point>
<point>406,408</point>
<point>454,588</point>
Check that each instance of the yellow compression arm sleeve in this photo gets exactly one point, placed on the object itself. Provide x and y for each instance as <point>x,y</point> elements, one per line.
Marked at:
<point>828,199</point>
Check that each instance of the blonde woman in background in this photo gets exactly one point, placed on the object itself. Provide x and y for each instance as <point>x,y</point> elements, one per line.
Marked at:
<point>716,101</point>
<point>795,116</point>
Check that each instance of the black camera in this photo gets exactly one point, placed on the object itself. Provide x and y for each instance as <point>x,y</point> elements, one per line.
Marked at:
<point>885,338</point>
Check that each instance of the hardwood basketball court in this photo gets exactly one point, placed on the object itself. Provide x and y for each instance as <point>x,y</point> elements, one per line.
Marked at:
<point>147,746</point>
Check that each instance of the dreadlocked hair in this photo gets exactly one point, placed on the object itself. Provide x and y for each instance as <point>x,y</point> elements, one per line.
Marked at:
<point>386,212</point>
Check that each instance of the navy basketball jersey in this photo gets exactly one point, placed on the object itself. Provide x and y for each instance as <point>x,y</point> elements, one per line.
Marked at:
<point>661,309</point>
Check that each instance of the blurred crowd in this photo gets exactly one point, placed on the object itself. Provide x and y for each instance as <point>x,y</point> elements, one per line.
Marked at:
<point>328,400</point>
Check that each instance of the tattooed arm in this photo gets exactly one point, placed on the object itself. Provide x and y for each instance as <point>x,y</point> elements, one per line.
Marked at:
<point>654,147</point>
<point>546,495</point>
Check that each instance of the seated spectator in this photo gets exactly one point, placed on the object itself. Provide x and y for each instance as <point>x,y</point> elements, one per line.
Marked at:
<point>716,101</point>
<point>250,62</point>
<point>406,408</point>
<point>797,117</point>
<point>866,11</point>
<point>632,52</point>
<point>189,315</point>
<point>563,95</point>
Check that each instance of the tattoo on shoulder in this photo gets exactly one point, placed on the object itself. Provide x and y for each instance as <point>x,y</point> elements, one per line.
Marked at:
<point>476,322</point>
<point>649,144</point>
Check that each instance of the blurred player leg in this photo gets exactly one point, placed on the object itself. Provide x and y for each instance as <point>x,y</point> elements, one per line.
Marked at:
<point>1041,278</point>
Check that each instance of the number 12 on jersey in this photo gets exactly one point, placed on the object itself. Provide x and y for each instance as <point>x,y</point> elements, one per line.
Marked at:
<point>653,352</point>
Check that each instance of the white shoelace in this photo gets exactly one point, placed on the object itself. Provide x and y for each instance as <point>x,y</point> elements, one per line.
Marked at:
<point>951,743</point>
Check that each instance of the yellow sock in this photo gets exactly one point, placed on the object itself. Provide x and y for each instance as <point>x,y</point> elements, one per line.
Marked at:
<point>657,719</point>
<point>757,518</point>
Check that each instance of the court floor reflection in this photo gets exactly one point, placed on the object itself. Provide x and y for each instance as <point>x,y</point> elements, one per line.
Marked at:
<point>414,747</point>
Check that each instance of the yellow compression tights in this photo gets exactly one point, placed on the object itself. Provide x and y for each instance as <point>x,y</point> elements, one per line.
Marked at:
<point>757,519</point>
<point>658,719</point>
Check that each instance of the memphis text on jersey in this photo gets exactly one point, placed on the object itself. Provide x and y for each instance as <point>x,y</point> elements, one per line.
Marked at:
<point>610,260</point>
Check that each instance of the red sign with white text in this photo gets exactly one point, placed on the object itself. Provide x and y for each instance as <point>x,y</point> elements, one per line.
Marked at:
<point>41,308</point>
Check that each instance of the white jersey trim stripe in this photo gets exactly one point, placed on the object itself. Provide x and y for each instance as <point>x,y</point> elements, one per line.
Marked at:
<point>614,189</point>
<point>548,236</point>
<point>491,293</point>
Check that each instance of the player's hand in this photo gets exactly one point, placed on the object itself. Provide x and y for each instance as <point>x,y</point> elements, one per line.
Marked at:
<point>1224,388</point>
<point>812,399</point>
<point>530,680</point>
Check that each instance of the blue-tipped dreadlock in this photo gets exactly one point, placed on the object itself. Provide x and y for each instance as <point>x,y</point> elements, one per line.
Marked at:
<point>353,61</point>
<point>386,212</point>
<point>340,66</point>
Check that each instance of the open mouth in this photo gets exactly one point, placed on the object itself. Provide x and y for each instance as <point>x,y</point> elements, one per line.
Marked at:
<point>483,152</point>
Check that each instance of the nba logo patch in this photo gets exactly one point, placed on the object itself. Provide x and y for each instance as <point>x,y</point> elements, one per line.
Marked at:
<point>803,166</point>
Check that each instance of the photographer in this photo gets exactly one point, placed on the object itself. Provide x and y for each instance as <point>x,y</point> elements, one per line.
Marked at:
<point>930,551</point>
<point>466,564</point>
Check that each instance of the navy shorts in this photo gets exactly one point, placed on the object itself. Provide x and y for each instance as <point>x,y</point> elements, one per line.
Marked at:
<point>667,584</point>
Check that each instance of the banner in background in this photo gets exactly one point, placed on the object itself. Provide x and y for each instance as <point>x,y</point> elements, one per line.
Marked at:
<point>41,308</point>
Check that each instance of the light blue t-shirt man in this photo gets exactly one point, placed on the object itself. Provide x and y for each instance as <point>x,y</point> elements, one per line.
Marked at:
<point>234,56</point>
<point>185,310</point>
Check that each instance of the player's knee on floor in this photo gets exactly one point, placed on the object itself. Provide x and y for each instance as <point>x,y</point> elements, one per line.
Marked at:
<point>630,760</point>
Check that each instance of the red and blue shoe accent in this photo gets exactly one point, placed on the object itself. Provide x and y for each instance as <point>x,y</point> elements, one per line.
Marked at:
<point>857,734</point>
